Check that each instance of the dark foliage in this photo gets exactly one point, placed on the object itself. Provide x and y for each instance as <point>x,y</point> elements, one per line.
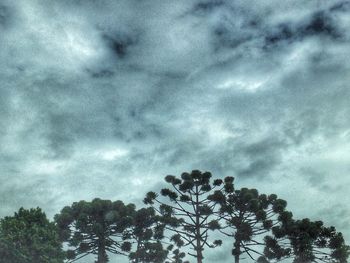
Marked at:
<point>28,236</point>
<point>95,227</point>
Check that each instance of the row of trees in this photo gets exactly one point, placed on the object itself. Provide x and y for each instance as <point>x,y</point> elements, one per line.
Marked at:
<point>193,214</point>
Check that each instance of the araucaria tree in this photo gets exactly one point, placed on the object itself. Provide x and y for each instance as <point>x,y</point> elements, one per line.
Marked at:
<point>248,217</point>
<point>188,215</point>
<point>146,234</point>
<point>308,241</point>
<point>27,237</point>
<point>95,227</point>
<point>187,210</point>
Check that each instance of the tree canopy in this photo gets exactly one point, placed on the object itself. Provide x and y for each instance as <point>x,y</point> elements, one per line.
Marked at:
<point>308,241</point>
<point>28,236</point>
<point>194,213</point>
<point>146,233</point>
<point>188,211</point>
<point>95,227</point>
<point>248,216</point>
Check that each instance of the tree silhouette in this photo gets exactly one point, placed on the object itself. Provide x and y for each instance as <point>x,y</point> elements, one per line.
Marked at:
<point>183,215</point>
<point>28,236</point>
<point>95,227</point>
<point>249,216</point>
<point>176,256</point>
<point>188,211</point>
<point>146,231</point>
<point>309,241</point>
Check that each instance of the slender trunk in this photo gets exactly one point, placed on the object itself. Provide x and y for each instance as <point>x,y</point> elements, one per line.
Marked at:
<point>237,243</point>
<point>198,230</point>
<point>199,249</point>
<point>237,249</point>
<point>138,251</point>
<point>101,254</point>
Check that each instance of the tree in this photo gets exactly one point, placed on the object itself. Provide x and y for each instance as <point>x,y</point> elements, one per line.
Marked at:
<point>95,227</point>
<point>29,236</point>
<point>188,211</point>
<point>9,253</point>
<point>249,216</point>
<point>177,256</point>
<point>147,233</point>
<point>309,241</point>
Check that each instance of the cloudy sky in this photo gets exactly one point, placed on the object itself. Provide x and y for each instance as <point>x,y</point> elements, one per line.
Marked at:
<point>105,98</point>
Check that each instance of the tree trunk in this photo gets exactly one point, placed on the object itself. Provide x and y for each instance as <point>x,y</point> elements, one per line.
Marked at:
<point>198,231</point>
<point>237,248</point>
<point>236,258</point>
<point>199,251</point>
<point>102,255</point>
<point>137,250</point>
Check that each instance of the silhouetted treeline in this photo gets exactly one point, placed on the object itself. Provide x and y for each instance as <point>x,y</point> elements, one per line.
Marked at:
<point>194,214</point>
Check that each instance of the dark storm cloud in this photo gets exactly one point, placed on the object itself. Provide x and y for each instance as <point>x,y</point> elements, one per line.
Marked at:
<point>204,7</point>
<point>263,156</point>
<point>3,15</point>
<point>120,44</point>
<point>319,24</point>
<point>97,95</point>
<point>7,15</point>
<point>233,25</point>
<point>341,6</point>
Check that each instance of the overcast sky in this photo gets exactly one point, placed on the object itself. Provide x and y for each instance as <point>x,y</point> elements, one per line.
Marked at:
<point>105,98</point>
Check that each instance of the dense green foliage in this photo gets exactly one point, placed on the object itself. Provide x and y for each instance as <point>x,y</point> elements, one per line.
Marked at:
<point>181,220</point>
<point>307,241</point>
<point>95,228</point>
<point>147,233</point>
<point>9,252</point>
<point>28,236</point>
<point>248,216</point>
